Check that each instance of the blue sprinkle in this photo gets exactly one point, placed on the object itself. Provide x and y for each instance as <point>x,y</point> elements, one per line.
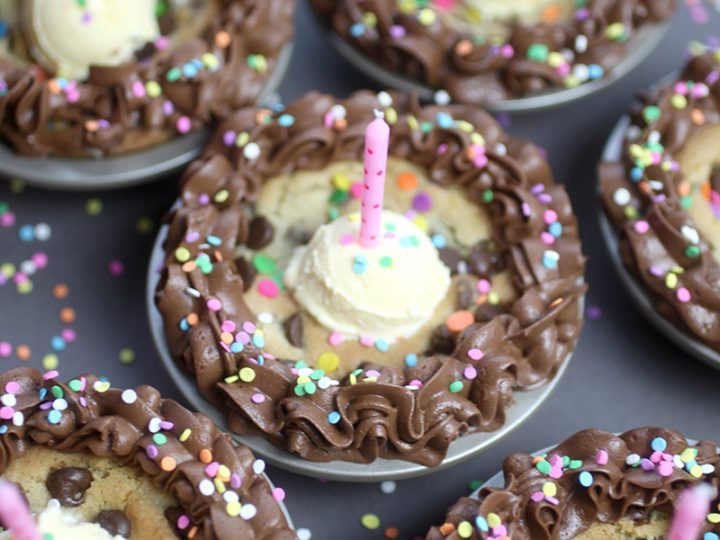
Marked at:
<point>26,233</point>
<point>54,417</point>
<point>586,479</point>
<point>3,29</point>
<point>382,345</point>
<point>197,63</point>
<point>360,259</point>
<point>444,120</point>
<point>550,259</point>
<point>659,444</point>
<point>711,536</point>
<point>439,241</point>
<point>357,30</point>
<point>214,240</point>
<point>42,393</point>
<point>359,268</point>
<point>595,71</point>
<point>411,360</point>
<point>556,229</point>
<point>258,341</point>
<point>690,464</point>
<point>236,347</point>
<point>3,430</point>
<point>184,325</point>
<point>189,70</point>
<point>286,120</point>
<point>636,174</point>
<point>260,360</point>
<point>58,343</point>
<point>333,417</point>
<point>482,524</point>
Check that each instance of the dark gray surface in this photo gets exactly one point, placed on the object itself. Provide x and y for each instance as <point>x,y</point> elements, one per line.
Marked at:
<point>624,374</point>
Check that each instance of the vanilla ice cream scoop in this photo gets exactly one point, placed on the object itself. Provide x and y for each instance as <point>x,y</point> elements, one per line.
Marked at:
<point>388,292</point>
<point>71,36</point>
<point>60,524</point>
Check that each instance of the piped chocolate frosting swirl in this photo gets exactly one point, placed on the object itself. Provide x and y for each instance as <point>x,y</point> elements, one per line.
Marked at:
<point>410,413</point>
<point>413,38</point>
<point>167,442</point>
<point>596,477</point>
<point>647,197</point>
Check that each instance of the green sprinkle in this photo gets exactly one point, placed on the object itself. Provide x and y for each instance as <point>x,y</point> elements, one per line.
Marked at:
<point>57,391</point>
<point>173,74</point>
<point>264,264</point>
<point>544,466</point>
<point>370,521</point>
<point>651,114</point>
<point>386,262</point>
<point>538,52</point>
<point>456,386</point>
<point>693,252</point>
<point>488,196</point>
<point>126,356</point>
<point>475,485</point>
<point>159,439</point>
<point>75,385</point>
<point>339,197</point>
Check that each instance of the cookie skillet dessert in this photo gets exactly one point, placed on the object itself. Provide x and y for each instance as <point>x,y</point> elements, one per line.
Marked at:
<point>663,197</point>
<point>594,486</point>
<point>100,77</point>
<point>482,51</point>
<point>111,463</point>
<point>301,332</point>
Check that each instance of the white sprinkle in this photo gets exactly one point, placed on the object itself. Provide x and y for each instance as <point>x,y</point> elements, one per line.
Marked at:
<point>690,233</point>
<point>384,99</point>
<point>324,382</point>
<point>442,97</point>
<point>154,425</point>
<point>632,133</point>
<point>28,267</point>
<point>338,111</point>
<point>581,43</point>
<point>42,232</point>
<point>500,149</point>
<point>265,317</point>
<point>622,197</point>
<point>129,396</point>
<point>248,511</point>
<point>193,292</point>
<point>388,487</point>
<point>9,400</point>
<point>251,151</point>
<point>632,459</point>
<point>654,137</point>
<point>678,462</point>
<point>60,404</point>
<point>303,534</point>
<point>259,466</point>
<point>18,419</point>
<point>230,497</point>
<point>206,487</point>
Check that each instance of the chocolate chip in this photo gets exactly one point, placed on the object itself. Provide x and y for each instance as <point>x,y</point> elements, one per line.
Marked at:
<point>487,312</point>
<point>146,52</point>
<point>465,295</point>
<point>451,257</point>
<point>167,24</point>
<point>246,270</point>
<point>483,262</point>
<point>261,232</point>
<point>442,341</point>
<point>115,522</point>
<point>293,327</point>
<point>68,485</point>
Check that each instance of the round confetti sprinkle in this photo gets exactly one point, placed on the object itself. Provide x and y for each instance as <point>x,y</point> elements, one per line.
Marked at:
<point>328,362</point>
<point>126,356</point>
<point>303,534</point>
<point>268,288</point>
<point>334,417</point>
<point>129,396</point>
<point>388,487</point>
<point>370,521</point>
<point>93,206</point>
<point>459,321</point>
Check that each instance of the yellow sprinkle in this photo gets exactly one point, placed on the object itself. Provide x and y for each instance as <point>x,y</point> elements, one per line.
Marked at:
<point>427,16</point>
<point>153,89</point>
<point>421,223</point>
<point>341,182</point>
<point>412,123</point>
<point>328,362</point>
<point>555,59</point>
<point>549,489</point>
<point>223,473</point>
<point>406,6</point>
<point>354,217</point>
<point>185,435</point>
<point>391,115</point>
<point>303,379</point>
<point>247,374</point>
<point>478,139</point>
<point>713,517</point>
<point>219,486</point>
<point>687,455</point>
<point>369,19</point>
<point>50,361</point>
<point>464,529</point>
<point>221,196</point>
<point>182,254</point>
<point>696,471</point>
<point>233,508</point>
<point>242,139</point>
<point>493,520</point>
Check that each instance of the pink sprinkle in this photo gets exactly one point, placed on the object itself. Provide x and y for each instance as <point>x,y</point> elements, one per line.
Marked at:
<point>268,288</point>
<point>249,327</point>
<point>228,326</point>
<point>484,286</point>
<point>442,149</point>
<point>641,227</point>
<point>278,494</point>
<point>347,239</point>
<point>212,469</point>
<point>666,468</point>
<point>556,473</point>
<point>525,209</point>
<point>550,216</point>
<point>656,457</point>
<point>470,372</point>
<point>6,413</point>
<point>366,341</point>
<point>372,373</point>
<point>183,522</point>
<point>684,295</point>
<point>183,124</point>
<point>547,238</point>
<point>551,500</point>
<point>152,451</point>
<point>507,51</point>
<point>5,349</point>
<point>12,387</point>
<point>242,337</point>
<point>192,237</point>
<point>54,374</point>
<point>356,190</point>
<point>397,31</point>
<point>161,43</point>
<point>258,398</point>
<point>116,268</point>
<point>537,496</point>
<point>72,96</point>
<point>40,259</point>
<point>68,334</point>
<point>328,119</point>
<point>416,382</point>
<point>214,304</point>
<point>235,481</point>
<point>601,457</point>
<point>138,89</point>
<point>475,354</point>
<point>335,339</point>
<point>7,220</point>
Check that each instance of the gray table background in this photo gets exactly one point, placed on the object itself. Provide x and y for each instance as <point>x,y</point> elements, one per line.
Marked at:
<point>624,374</point>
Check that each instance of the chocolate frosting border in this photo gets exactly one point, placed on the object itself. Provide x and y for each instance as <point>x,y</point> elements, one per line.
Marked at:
<point>617,489</point>
<point>479,72</point>
<point>643,195</point>
<point>383,417</point>
<point>103,115</point>
<point>87,415</point>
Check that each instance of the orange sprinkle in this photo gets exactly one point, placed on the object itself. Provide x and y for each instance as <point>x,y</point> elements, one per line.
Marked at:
<point>193,319</point>
<point>464,47</point>
<point>392,532</point>
<point>263,116</point>
<point>340,124</point>
<point>223,39</point>
<point>459,321</point>
<point>92,125</point>
<point>705,190</point>
<point>67,315</point>
<point>193,532</point>
<point>23,352</point>
<point>168,464</point>
<point>556,302</point>
<point>481,299</point>
<point>537,459</point>
<point>645,187</point>
<point>551,13</point>
<point>227,338</point>
<point>683,188</point>
<point>407,181</point>
<point>698,117</point>
<point>188,267</point>
<point>205,456</point>
<point>447,528</point>
<point>54,86</point>
<point>218,256</point>
<point>60,291</point>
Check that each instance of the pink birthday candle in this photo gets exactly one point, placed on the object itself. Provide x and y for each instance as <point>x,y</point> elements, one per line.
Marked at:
<point>15,514</point>
<point>691,513</point>
<point>377,142</point>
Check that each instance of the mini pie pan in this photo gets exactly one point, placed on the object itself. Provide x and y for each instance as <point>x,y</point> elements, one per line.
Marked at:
<point>120,171</point>
<point>635,289</point>
<point>464,448</point>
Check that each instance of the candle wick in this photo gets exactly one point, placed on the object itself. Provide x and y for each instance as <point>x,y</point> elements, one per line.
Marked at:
<point>379,114</point>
